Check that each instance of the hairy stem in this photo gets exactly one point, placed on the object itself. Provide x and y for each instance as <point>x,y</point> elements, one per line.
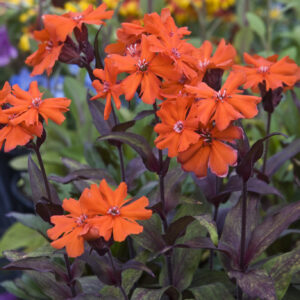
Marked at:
<point>42,167</point>
<point>115,271</point>
<point>267,143</point>
<point>70,283</point>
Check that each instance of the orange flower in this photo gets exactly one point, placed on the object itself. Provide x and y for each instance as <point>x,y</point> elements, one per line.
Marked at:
<point>223,57</point>
<point>274,73</point>
<point>16,135</point>
<point>225,105</point>
<point>72,230</point>
<point>108,87</point>
<point>4,92</point>
<point>28,106</point>
<point>211,152</point>
<point>65,24</point>
<point>176,130</point>
<point>48,50</point>
<point>117,216</point>
<point>143,70</point>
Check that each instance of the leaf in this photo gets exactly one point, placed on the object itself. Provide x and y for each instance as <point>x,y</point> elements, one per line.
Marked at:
<point>211,292</point>
<point>133,264</point>
<point>99,64</point>
<point>139,144</point>
<point>90,284</point>
<point>246,165</point>
<point>210,225</point>
<point>151,294</point>
<point>270,229</point>
<point>281,268</point>
<point>151,238</point>
<point>277,160</point>
<point>256,24</point>
<point>37,184</point>
<point>97,111</point>
<point>11,287</point>
<point>19,236</point>
<point>87,173</point>
<point>235,184</point>
<point>243,39</point>
<point>256,283</point>
<point>231,235</point>
<point>46,209</point>
<point>32,221</point>
<point>143,114</point>
<point>123,126</point>
<point>134,169</point>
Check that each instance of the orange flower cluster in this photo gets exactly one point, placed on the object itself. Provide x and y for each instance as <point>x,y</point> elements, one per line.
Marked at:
<point>99,212</point>
<point>55,33</point>
<point>21,113</point>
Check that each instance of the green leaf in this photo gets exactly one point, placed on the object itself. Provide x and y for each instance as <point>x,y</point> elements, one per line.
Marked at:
<point>211,292</point>
<point>210,225</point>
<point>20,236</point>
<point>151,294</point>
<point>243,39</point>
<point>32,221</point>
<point>281,268</point>
<point>12,288</point>
<point>256,24</point>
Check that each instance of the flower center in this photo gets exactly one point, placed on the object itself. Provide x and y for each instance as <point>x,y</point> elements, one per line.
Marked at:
<point>114,211</point>
<point>105,87</point>
<point>203,63</point>
<point>263,69</point>
<point>206,136</point>
<point>35,102</point>
<point>81,220</point>
<point>77,17</point>
<point>49,46</point>
<point>175,53</point>
<point>132,50</point>
<point>178,127</point>
<point>220,95</point>
<point>142,65</point>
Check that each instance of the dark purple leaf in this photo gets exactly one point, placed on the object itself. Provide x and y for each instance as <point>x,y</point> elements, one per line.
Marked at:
<point>208,185</point>
<point>143,114</point>
<point>246,165</point>
<point>46,209</point>
<point>255,185</point>
<point>77,268</point>
<point>295,99</point>
<point>255,283</point>
<point>277,160</point>
<point>84,174</point>
<point>103,269</point>
<point>213,78</point>
<point>133,264</point>
<point>177,229</point>
<point>134,169</point>
<point>123,126</point>
<point>97,111</point>
<point>38,186</point>
<point>270,229</point>
<point>231,235</point>
<point>139,144</point>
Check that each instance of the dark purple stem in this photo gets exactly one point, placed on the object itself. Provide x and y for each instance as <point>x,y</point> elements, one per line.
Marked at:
<point>70,283</point>
<point>267,143</point>
<point>211,256</point>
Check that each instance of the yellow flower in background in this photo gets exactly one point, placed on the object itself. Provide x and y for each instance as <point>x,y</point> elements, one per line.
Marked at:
<point>111,4</point>
<point>25,16</point>
<point>21,2</point>
<point>24,43</point>
<point>275,13</point>
<point>78,6</point>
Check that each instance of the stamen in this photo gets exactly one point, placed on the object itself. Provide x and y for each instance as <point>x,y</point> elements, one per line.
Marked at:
<point>142,65</point>
<point>77,18</point>
<point>132,50</point>
<point>263,69</point>
<point>175,53</point>
<point>49,46</point>
<point>178,127</point>
<point>105,87</point>
<point>206,136</point>
<point>114,211</point>
<point>35,102</point>
<point>81,220</point>
<point>220,95</point>
<point>203,63</point>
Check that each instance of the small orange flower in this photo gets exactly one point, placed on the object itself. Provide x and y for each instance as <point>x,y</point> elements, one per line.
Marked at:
<point>108,87</point>
<point>275,73</point>
<point>143,70</point>
<point>116,216</point>
<point>225,105</point>
<point>72,230</point>
<point>65,24</point>
<point>177,131</point>
<point>48,51</point>
<point>211,151</point>
<point>28,106</point>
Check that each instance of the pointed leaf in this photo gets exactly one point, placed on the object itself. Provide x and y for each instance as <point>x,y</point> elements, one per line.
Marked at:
<point>99,64</point>
<point>277,160</point>
<point>270,229</point>
<point>256,283</point>
<point>143,114</point>
<point>151,294</point>
<point>211,227</point>
<point>123,126</point>
<point>133,264</point>
<point>139,144</point>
